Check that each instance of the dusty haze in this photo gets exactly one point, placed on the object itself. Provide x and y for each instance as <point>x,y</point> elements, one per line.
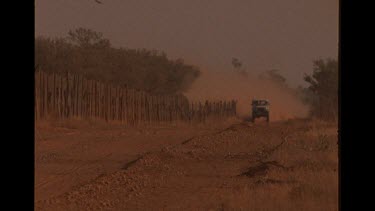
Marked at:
<point>227,86</point>
<point>268,34</point>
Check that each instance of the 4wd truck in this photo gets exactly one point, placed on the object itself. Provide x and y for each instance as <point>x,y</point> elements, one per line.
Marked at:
<point>260,108</point>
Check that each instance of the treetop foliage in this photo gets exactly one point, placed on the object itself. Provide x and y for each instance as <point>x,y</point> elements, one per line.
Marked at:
<point>86,52</point>
<point>323,84</point>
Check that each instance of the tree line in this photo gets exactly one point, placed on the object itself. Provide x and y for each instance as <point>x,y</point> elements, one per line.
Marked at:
<point>88,53</point>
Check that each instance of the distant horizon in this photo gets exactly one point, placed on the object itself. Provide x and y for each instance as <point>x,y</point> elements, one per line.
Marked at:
<point>287,36</point>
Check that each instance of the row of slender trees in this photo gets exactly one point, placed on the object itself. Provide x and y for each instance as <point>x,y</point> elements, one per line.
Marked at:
<point>73,96</point>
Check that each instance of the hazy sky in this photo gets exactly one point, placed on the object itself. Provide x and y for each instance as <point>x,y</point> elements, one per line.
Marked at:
<point>263,34</point>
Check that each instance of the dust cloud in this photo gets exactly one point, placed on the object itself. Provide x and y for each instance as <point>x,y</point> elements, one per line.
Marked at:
<point>284,104</point>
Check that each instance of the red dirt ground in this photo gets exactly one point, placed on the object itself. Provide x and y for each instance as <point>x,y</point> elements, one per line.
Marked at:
<point>290,165</point>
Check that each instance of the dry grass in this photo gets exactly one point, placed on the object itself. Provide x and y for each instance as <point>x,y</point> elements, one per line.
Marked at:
<point>309,183</point>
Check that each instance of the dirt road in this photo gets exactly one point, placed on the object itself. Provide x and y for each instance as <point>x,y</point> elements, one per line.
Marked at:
<point>288,165</point>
